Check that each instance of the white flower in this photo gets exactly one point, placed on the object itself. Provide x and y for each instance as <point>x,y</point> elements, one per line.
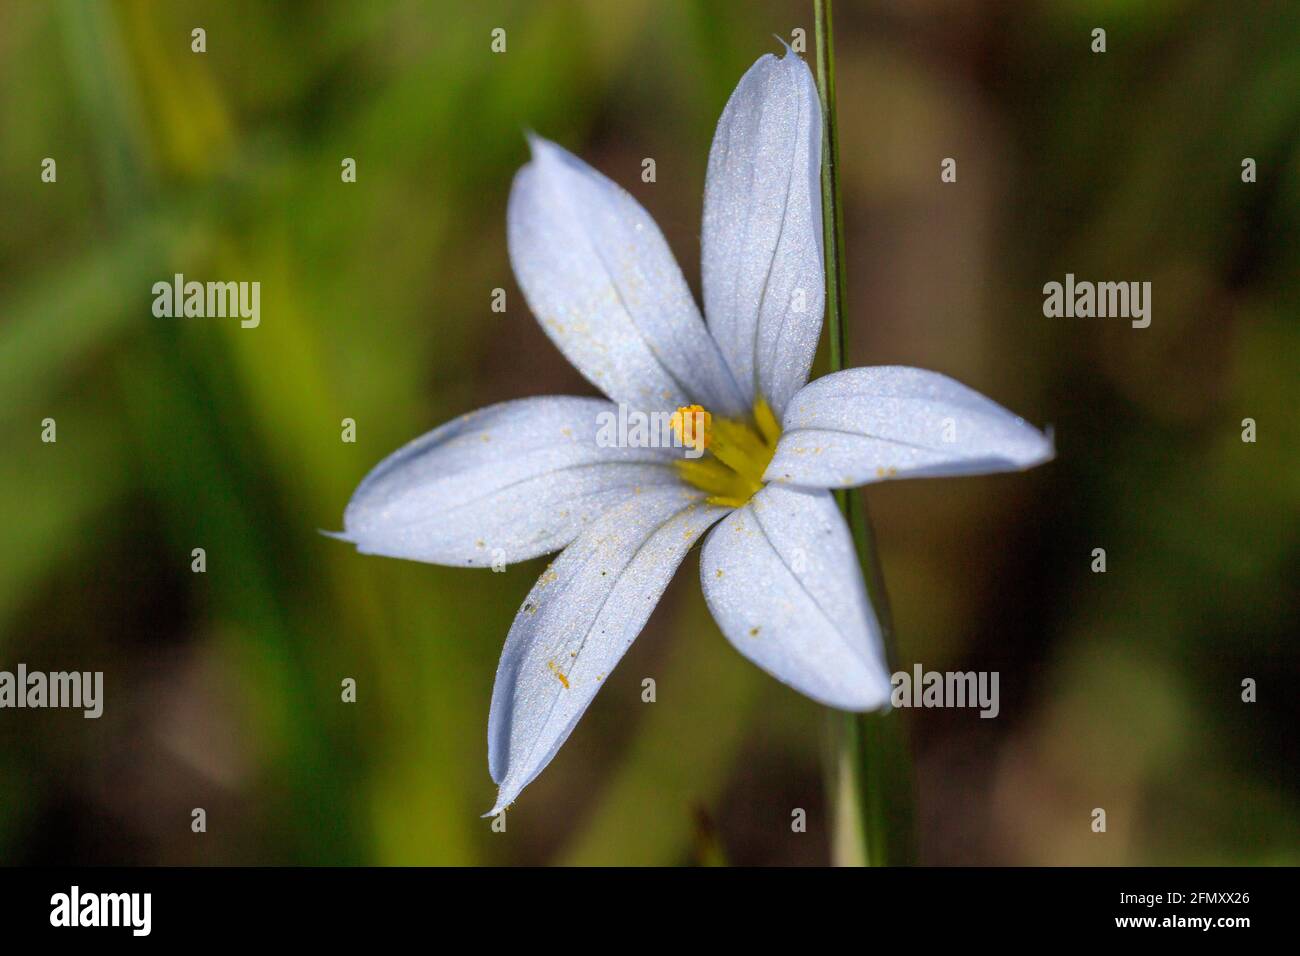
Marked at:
<point>527,477</point>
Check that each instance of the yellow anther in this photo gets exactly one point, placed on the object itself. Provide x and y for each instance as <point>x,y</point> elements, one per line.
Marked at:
<point>739,451</point>
<point>693,425</point>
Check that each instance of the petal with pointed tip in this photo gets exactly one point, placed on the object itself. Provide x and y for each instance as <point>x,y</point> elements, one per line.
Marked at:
<point>600,278</point>
<point>871,424</point>
<point>576,623</point>
<point>762,235</point>
<point>782,580</point>
<point>507,482</point>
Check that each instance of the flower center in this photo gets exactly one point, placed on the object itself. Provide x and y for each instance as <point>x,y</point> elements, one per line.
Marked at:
<point>737,452</point>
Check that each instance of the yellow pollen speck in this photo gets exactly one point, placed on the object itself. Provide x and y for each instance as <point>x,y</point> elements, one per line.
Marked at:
<point>559,676</point>
<point>753,632</point>
<point>719,572</point>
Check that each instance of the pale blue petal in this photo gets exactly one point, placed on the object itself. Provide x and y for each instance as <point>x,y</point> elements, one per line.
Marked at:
<point>871,424</point>
<point>762,236</point>
<point>782,580</point>
<point>600,278</point>
<point>505,483</point>
<point>576,623</point>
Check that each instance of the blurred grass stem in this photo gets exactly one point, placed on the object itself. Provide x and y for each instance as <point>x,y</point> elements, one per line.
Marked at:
<point>869,767</point>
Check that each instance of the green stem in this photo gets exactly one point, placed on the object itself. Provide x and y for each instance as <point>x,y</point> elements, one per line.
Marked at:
<point>870,774</point>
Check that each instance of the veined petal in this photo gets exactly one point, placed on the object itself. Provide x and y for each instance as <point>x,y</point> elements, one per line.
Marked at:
<point>505,483</point>
<point>871,424</point>
<point>762,239</point>
<point>600,278</point>
<point>782,580</point>
<point>583,613</point>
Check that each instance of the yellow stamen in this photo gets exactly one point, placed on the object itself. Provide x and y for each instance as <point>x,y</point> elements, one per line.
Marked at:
<point>739,451</point>
<point>767,423</point>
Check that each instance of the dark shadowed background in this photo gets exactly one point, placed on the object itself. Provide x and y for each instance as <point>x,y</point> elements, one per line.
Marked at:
<point>1119,690</point>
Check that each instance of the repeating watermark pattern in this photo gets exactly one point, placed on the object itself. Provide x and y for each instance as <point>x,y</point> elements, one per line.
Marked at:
<point>208,300</point>
<point>75,908</point>
<point>922,688</point>
<point>72,690</point>
<point>630,428</point>
<point>1102,300</point>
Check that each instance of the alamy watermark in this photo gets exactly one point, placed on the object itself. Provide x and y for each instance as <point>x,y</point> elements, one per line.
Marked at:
<point>685,428</point>
<point>220,300</point>
<point>1102,300</point>
<point>77,690</point>
<point>74,908</point>
<point>922,688</point>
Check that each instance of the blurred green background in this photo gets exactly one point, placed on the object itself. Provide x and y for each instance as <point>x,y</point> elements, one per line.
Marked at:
<point>1118,690</point>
